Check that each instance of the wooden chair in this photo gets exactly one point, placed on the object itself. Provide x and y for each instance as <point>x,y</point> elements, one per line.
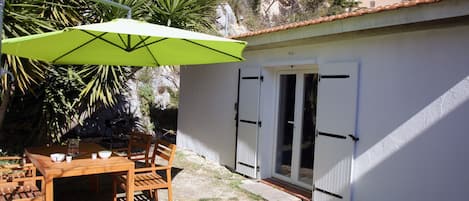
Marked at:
<point>18,181</point>
<point>148,179</point>
<point>138,142</point>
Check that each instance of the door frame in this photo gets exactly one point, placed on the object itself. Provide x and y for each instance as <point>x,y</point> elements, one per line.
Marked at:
<point>289,70</point>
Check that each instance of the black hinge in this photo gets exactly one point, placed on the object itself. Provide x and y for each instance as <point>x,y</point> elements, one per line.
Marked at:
<point>332,135</point>
<point>354,138</point>
<point>328,193</point>
<point>338,136</point>
<point>253,78</point>
<point>251,122</point>
<point>247,165</point>
<point>333,77</point>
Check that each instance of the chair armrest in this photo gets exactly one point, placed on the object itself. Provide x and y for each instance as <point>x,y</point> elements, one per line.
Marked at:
<point>27,166</point>
<point>148,169</point>
<point>7,158</point>
<point>137,157</point>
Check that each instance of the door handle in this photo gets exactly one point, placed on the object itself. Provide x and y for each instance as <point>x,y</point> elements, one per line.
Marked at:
<point>291,122</point>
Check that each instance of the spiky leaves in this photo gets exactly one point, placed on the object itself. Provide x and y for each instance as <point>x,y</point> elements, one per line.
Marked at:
<point>186,14</point>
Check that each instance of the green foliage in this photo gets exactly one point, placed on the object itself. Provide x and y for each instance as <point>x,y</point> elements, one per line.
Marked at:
<point>186,14</point>
<point>97,86</point>
<point>103,83</point>
<point>256,6</point>
<point>60,95</point>
<point>341,6</point>
<point>104,13</point>
<point>174,95</point>
<point>145,92</point>
<point>23,18</point>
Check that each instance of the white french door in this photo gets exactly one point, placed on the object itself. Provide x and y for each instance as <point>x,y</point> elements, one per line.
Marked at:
<point>295,127</point>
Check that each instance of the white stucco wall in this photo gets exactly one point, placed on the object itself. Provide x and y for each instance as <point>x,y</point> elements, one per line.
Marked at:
<point>412,117</point>
<point>206,111</point>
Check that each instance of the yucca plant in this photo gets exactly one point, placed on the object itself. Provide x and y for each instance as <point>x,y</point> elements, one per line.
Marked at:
<point>186,14</point>
<point>102,82</point>
<point>21,17</point>
<point>27,17</point>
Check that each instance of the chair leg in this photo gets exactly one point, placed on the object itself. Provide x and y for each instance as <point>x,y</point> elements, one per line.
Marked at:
<point>94,183</point>
<point>150,193</point>
<point>170,193</point>
<point>155,194</point>
<point>114,189</point>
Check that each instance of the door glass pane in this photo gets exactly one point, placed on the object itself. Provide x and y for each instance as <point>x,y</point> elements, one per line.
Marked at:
<point>309,126</point>
<point>285,124</point>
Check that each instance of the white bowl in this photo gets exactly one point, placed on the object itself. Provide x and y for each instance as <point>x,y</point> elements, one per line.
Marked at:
<point>104,154</point>
<point>57,157</point>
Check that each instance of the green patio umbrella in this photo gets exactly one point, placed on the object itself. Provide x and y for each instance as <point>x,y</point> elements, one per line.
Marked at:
<point>125,42</point>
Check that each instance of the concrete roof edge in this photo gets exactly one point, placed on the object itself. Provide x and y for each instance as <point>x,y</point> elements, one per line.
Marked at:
<point>409,15</point>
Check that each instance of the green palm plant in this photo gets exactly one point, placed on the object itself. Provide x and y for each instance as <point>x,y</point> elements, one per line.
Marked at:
<point>102,82</point>
<point>104,12</point>
<point>91,87</point>
<point>99,84</point>
<point>21,18</point>
<point>31,17</point>
<point>187,14</point>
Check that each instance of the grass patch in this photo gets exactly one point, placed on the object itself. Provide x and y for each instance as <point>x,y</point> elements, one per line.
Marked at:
<point>235,184</point>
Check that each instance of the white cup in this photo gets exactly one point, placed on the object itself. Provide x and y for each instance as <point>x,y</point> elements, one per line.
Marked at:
<point>68,159</point>
<point>94,156</point>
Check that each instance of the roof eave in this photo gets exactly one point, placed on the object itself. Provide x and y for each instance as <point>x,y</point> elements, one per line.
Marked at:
<point>408,15</point>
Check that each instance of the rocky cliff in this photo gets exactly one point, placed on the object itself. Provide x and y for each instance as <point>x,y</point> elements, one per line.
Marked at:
<point>239,16</point>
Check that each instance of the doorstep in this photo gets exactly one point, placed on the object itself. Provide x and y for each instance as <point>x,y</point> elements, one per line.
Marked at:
<point>299,192</point>
<point>266,191</point>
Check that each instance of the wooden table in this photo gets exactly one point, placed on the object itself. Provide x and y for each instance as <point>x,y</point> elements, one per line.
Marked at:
<point>80,165</point>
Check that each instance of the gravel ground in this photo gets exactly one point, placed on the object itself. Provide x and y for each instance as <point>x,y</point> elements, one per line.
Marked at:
<point>195,179</point>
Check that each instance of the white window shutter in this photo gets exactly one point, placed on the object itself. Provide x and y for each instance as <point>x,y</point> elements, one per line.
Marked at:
<point>248,121</point>
<point>335,137</point>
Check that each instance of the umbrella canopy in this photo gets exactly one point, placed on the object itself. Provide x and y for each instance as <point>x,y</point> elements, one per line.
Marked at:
<point>125,42</point>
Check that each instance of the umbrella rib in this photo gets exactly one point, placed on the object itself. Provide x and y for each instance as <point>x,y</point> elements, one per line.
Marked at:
<point>128,42</point>
<point>76,48</point>
<point>148,49</point>
<point>105,40</point>
<point>141,41</point>
<point>120,37</point>
<point>144,45</point>
<point>210,48</point>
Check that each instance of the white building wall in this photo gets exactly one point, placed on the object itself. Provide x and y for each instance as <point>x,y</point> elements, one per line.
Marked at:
<point>412,120</point>
<point>206,111</point>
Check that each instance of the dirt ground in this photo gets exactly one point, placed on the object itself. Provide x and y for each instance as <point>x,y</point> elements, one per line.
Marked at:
<point>195,179</point>
<point>203,180</point>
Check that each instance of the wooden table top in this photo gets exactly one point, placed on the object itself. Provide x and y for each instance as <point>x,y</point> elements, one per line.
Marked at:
<point>80,165</point>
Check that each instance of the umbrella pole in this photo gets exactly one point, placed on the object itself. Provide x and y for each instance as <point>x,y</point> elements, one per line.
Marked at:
<point>115,4</point>
<point>3,71</point>
<point>2,5</point>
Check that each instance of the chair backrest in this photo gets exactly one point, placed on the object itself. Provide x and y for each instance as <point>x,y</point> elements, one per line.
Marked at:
<point>139,141</point>
<point>164,150</point>
<point>12,167</point>
<point>18,180</point>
